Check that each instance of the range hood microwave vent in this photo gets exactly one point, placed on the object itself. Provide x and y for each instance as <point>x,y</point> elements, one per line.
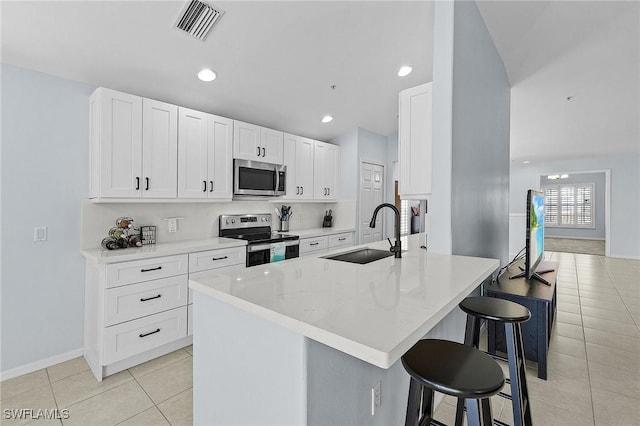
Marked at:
<point>197,18</point>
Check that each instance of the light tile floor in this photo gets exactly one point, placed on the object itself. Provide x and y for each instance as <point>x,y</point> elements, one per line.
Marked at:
<point>594,366</point>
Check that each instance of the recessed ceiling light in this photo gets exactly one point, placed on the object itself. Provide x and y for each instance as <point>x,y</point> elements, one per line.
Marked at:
<point>553,177</point>
<point>564,176</point>
<point>526,162</point>
<point>207,75</point>
<point>327,118</point>
<point>404,71</point>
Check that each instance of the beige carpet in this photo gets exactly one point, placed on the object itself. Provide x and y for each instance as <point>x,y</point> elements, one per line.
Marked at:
<point>570,245</point>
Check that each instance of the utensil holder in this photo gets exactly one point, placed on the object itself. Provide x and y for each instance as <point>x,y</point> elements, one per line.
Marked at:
<point>284,226</point>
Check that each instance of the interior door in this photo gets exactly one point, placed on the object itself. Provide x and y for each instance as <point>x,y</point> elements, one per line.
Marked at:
<point>371,195</point>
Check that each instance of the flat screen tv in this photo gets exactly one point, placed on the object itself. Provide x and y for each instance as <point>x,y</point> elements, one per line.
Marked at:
<point>534,249</point>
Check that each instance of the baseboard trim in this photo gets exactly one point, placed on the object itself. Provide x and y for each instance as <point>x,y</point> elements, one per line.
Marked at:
<point>574,238</point>
<point>38,365</point>
<point>624,256</point>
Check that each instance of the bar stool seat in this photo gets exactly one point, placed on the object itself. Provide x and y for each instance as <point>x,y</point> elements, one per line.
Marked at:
<point>453,369</point>
<point>511,314</point>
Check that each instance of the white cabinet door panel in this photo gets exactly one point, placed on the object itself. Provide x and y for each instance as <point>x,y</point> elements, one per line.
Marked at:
<point>271,145</point>
<point>159,149</point>
<point>120,144</point>
<point>246,141</point>
<point>192,154</point>
<point>220,146</point>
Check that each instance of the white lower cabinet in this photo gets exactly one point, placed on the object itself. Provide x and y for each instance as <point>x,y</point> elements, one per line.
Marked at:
<point>210,262</point>
<point>315,246</point>
<point>134,311</point>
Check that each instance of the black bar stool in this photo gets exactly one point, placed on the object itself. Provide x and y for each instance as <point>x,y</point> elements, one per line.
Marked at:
<point>454,369</point>
<point>511,314</point>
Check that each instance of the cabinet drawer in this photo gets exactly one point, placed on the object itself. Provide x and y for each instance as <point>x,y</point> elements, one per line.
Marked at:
<point>150,297</point>
<point>313,244</point>
<point>212,259</point>
<point>145,270</point>
<point>223,270</point>
<point>131,338</point>
<point>339,240</point>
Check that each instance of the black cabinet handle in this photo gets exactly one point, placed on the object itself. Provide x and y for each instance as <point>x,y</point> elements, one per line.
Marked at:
<point>150,333</point>
<point>264,151</point>
<point>328,191</point>
<point>297,190</point>
<point>258,151</point>
<point>204,186</point>
<point>137,183</point>
<point>302,190</point>
<point>147,184</point>
<point>220,258</point>
<point>151,269</point>
<point>313,244</point>
<point>150,298</point>
<point>211,182</point>
<point>341,239</point>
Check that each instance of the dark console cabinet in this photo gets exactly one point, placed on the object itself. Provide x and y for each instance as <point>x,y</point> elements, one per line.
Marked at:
<point>540,299</point>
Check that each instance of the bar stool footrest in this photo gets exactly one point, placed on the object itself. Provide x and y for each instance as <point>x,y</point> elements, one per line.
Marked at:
<point>499,423</point>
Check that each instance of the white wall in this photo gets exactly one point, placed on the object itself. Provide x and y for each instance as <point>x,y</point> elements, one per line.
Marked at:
<point>348,143</point>
<point>624,238</point>
<point>468,208</point>
<point>45,151</point>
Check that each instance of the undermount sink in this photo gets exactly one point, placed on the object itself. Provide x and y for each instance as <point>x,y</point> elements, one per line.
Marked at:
<point>361,256</point>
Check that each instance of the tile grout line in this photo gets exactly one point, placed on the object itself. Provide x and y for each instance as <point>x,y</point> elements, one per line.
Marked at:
<point>586,354</point>
<point>55,400</point>
<point>150,399</point>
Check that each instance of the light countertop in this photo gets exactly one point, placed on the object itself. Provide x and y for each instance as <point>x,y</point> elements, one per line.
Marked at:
<point>100,255</point>
<point>160,249</point>
<point>374,312</point>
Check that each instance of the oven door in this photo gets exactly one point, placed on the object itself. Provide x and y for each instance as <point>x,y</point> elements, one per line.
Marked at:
<point>256,178</point>
<point>259,254</point>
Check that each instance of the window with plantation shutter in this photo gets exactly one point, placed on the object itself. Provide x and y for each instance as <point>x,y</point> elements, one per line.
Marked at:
<point>404,217</point>
<point>569,206</point>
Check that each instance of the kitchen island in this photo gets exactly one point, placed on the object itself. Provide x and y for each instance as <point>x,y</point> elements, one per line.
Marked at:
<point>304,341</point>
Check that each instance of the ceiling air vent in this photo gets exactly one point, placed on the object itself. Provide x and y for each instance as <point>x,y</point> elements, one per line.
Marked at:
<point>197,18</point>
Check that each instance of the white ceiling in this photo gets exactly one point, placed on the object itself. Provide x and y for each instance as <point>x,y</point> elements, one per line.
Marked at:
<point>277,60</point>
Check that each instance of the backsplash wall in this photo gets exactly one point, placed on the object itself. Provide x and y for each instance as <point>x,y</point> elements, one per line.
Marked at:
<point>200,220</point>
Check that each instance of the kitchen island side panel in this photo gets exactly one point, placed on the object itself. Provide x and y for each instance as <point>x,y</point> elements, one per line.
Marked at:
<point>339,385</point>
<point>247,371</point>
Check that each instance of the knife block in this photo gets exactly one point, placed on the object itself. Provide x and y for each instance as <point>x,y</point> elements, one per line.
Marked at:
<point>327,222</point>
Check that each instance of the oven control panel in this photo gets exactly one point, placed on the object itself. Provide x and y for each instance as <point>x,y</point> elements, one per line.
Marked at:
<point>240,221</point>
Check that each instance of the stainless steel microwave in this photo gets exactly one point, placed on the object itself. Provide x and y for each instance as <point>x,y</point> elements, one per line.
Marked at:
<point>256,178</point>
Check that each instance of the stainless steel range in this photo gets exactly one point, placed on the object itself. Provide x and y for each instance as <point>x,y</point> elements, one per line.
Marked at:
<point>263,245</point>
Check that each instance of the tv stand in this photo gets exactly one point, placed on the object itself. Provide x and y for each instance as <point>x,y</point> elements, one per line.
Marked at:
<point>536,275</point>
<point>540,299</point>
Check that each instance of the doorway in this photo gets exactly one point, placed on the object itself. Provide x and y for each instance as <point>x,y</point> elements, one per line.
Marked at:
<point>372,181</point>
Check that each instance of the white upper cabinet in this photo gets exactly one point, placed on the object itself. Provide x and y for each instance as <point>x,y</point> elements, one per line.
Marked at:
<point>255,143</point>
<point>159,149</point>
<point>116,144</point>
<point>204,155</point>
<point>325,171</point>
<point>133,146</point>
<point>298,157</point>
<point>415,141</point>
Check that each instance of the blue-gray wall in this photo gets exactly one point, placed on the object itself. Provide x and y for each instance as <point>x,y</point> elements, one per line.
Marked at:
<point>478,146</point>
<point>597,205</point>
<point>45,152</point>
<point>348,184</point>
<point>624,238</point>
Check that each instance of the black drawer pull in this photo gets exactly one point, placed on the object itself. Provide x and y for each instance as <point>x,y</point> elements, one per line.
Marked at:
<point>314,244</point>
<point>342,239</point>
<point>220,258</point>
<point>147,187</point>
<point>151,269</point>
<point>150,333</point>
<point>150,298</point>
<point>137,183</point>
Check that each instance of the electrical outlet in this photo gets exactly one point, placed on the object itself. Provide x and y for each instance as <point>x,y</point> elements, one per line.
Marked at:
<point>173,225</point>
<point>376,397</point>
<point>40,233</point>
